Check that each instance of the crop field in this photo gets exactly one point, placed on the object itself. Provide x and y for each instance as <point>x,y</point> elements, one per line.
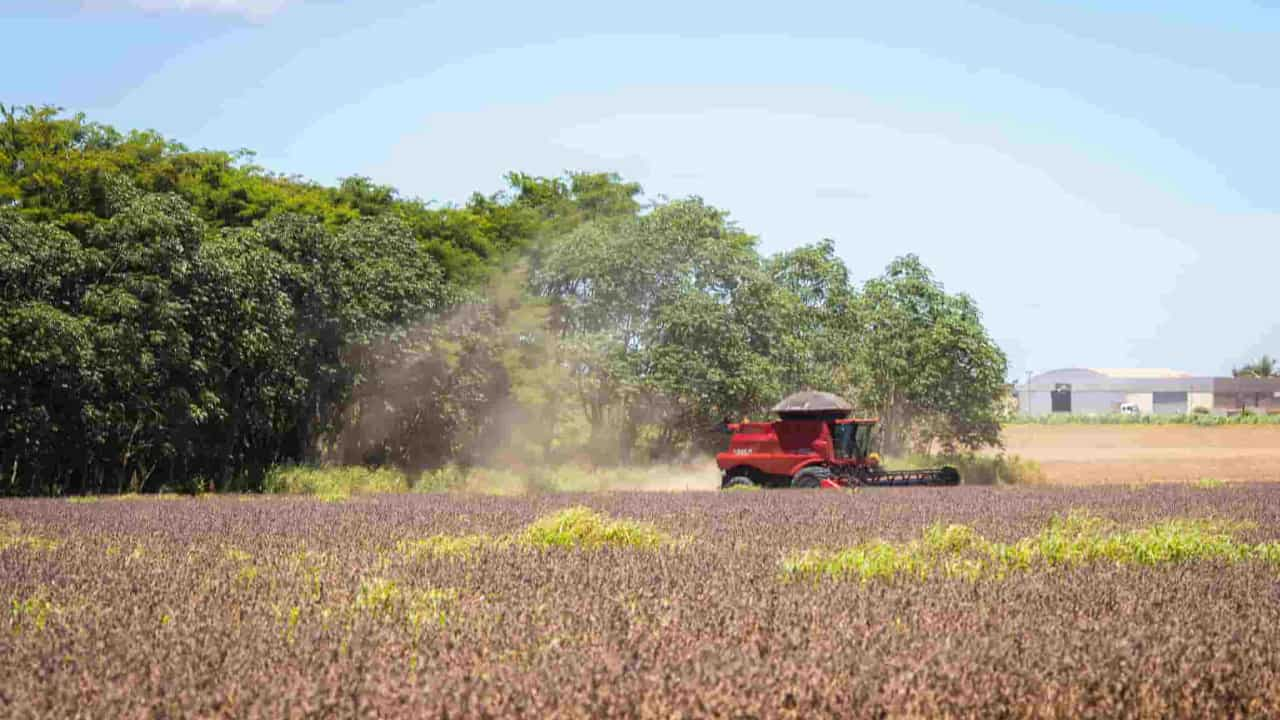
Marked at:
<point>1112,454</point>
<point>972,601</point>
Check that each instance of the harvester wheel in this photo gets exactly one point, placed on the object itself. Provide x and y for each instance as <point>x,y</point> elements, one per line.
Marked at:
<point>738,481</point>
<point>810,477</point>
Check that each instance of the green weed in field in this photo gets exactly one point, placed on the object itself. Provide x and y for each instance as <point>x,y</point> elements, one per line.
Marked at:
<point>583,527</point>
<point>438,546</point>
<point>30,614</point>
<point>1208,483</point>
<point>246,571</point>
<point>1074,539</point>
<point>11,536</point>
<point>377,596</point>
<point>386,599</point>
<point>430,607</point>
<point>237,555</point>
<point>575,527</point>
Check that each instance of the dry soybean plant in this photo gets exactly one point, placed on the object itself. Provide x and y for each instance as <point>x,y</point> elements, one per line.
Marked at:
<point>965,602</point>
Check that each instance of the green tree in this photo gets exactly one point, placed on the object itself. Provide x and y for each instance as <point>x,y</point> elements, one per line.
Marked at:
<point>925,363</point>
<point>177,317</point>
<point>1263,367</point>
<point>45,351</point>
<point>648,302</point>
<point>820,307</point>
<point>485,383</point>
<point>348,290</point>
<point>158,353</point>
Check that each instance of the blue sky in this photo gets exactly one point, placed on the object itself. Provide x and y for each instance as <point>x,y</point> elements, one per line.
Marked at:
<point>1101,177</point>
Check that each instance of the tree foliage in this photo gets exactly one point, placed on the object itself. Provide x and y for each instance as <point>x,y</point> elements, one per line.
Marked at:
<point>1263,367</point>
<point>179,318</point>
<point>924,362</point>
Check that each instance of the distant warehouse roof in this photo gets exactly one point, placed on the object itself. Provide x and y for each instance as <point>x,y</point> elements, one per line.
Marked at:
<point>1116,379</point>
<point>1141,373</point>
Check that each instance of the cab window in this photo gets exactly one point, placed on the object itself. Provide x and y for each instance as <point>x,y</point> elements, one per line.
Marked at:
<point>863,439</point>
<point>843,440</point>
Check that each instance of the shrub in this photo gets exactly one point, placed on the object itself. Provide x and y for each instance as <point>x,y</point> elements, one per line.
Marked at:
<point>442,479</point>
<point>333,483</point>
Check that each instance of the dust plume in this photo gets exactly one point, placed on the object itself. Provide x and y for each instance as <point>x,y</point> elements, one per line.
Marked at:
<point>491,397</point>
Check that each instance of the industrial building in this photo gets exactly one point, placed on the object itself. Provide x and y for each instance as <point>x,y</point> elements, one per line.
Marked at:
<point>1146,391</point>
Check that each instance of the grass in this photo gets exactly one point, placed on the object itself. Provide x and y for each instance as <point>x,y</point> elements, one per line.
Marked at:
<point>959,551</point>
<point>334,483</point>
<point>1208,483</point>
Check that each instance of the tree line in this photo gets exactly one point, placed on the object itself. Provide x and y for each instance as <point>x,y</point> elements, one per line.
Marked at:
<point>177,318</point>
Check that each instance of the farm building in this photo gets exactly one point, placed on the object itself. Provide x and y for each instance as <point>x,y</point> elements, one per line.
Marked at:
<point>1152,391</point>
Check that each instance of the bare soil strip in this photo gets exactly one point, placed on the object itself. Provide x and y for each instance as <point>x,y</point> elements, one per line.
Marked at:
<point>1119,454</point>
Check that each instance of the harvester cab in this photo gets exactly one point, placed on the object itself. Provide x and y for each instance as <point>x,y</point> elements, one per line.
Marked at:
<point>814,444</point>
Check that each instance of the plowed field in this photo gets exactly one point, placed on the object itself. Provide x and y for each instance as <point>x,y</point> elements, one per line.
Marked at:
<point>1111,454</point>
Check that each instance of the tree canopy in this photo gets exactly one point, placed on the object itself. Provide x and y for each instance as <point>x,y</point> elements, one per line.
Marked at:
<point>1263,367</point>
<point>180,318</point>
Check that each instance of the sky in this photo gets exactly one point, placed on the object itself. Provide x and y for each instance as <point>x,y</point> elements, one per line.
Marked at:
<point>1100,176</point>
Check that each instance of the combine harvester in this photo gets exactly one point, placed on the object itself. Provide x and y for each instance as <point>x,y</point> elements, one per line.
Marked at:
<point>814,444</point>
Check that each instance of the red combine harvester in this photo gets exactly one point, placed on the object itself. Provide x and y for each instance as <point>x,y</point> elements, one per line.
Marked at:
<point>814,444</point>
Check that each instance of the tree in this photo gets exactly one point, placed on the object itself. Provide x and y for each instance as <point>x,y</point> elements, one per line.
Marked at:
<point>925,363</point>
<point>1263,367</point>
<point>648,303</point>
<point>821,312</point>
<point>45,349</point>
<point>485,383</point>
<point>564,202</point>
<point>177,318</point>
<point>348,290</point>
<point>156,352</point>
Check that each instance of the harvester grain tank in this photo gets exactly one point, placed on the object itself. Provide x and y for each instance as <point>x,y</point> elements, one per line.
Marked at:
<point>814,444</point>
